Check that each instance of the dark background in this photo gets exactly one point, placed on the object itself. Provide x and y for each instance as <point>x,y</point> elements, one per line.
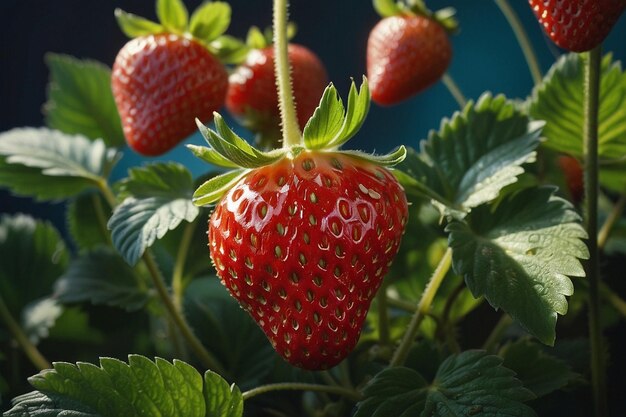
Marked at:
<point>486,57</point>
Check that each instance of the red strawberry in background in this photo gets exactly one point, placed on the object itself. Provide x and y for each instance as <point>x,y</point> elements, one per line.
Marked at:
<point>573,174</point>
<point>577,25</point>
<point>252,96</point>
<point>407,51</point>
<point>166,76</point>
<point>303,236</point>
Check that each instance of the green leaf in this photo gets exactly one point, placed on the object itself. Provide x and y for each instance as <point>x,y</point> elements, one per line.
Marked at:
<point>87,216</point>
<point>519,256</point>
<point>539,372</point>
<point>473,156</point>
<point>33,257</point>
<point>211,311</point>
<point>141,388</point>
<point>39,317</point>
<point>173,15</point>
<point>471,383</point>
<point>387,8</point>
<point>135,26</point>
<point>73,326</point>
<point>160,199</point>
<point>210,20</point>
<point>229,50</point>
<point>326,121</point>
<point>48,164</point>
<point>222,400</point>
<point>102,277</point>
<point>211,156</point>
<point>80,100</point>
<point>357,108</point>
<point>559,101</point>
<point>213,189</point>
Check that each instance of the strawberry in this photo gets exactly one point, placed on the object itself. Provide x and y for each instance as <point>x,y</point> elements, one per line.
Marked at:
<point>406,53</point>
<point>573,173</point>
<point>165,78</point>
<point>577,25</point>
<point>302,236</point>
<point>252,97</point>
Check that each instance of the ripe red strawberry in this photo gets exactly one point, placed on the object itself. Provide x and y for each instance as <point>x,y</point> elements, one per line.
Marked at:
<point>577,25</point>
<point>405,54</point>
<point>573,173</point>
<point>252,95</point>
<point>303,245</point>
<point>161,83</point>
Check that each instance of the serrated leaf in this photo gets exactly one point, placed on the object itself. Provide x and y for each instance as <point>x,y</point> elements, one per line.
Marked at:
<point>38,404</point>
<point>229,50</point>
<point>222,400</point>
<point>519,256</point>
<point>80,99</point>
<point>326,121</point>
<point>357,107</point>
<point>87,216</point>
<point>471,383</point>
<point>160,200</point>
<point>33,257</point>
<point>387,8</point>
<point>539,372</point>
<point>134,26</point>
<point>139,388</point>
<point>39,317</point>
<point>210,20</point>
<point>211,156</point>
<point>101,277</point>
<point>473,156</point>
<point>173,15</point>
<point>42,158</point>
<point>559,101</point>
<point>211,310</point>
<point>213,189</point>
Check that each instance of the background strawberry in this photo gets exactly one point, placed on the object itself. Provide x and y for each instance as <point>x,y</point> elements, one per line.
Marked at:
<point>573,173</point>
<point>167,75</point>
<point>252,96</point>
<point>406,53</point>
<point>577,25</point>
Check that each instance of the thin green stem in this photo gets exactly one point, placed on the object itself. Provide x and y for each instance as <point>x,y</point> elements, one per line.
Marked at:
<point>454,89</point>
<point>31,351</point>
<point>590,210</point>
<point>423,308</point>
<point>383,316</point>
<point>178,284</point>
<point>102,218</point>
<point>204,355</point>
<point>289,121</point>
<point>401,304</point>
<point>614,216</point>
<point>522,39</point>
<point>497,332</point>
<point>108,195</point>
<point>296,386</point>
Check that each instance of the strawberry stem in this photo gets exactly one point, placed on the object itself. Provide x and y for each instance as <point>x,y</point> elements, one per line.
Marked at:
<point>454,89</point>
<point>497,332</point>
<point>590,210</point>
<point>423,308</point>
<point>178,284</point>
<point>614,216</point>
<point>35,356</point>
<point>295,386</point>
<point>522,39</point>
<point>289,122</point>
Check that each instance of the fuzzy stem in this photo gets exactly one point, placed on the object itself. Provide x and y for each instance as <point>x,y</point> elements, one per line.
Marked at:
<point>591,105</point>
<point>614,216</point>
<point>20,337</point>
<point>178,286</point>
<point>522,39</point>
<point>204,355</point>
<point>423,307</point>
<point>497,332</point>
<point>454,89</point>
<point>286,104</point>
<point>295,386</point>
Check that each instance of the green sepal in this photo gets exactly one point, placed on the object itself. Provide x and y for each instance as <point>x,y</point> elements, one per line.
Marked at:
<point>212,190</point>
<point>173,15</point>
<point>210,20</point>
<point>134,26</point>
<point>357,109</point>
<point>387,8</point>
<point>256,39</point>
<point>388,160</point>
<point>211,156</point>
<point>229,50</point>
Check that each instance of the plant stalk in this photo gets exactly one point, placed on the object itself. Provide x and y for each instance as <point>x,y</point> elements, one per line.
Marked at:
<point>423,307</point>
<point>178,284</point>
<point>454,89</point>
<point>591,105</point>
<point>289,122</point>
<point>31,351</point>
<point>522,39</point>
<point>295,386</point>
<point>497,332</point>
<point>204,355</point>
<point>614,216</point>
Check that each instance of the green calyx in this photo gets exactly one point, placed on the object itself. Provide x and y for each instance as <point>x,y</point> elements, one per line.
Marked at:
<point>331,126</point>
<point>445,17</point>
<point>206,25</point>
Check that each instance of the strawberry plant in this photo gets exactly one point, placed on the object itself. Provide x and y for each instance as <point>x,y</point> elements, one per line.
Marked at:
<point>469,273</point>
